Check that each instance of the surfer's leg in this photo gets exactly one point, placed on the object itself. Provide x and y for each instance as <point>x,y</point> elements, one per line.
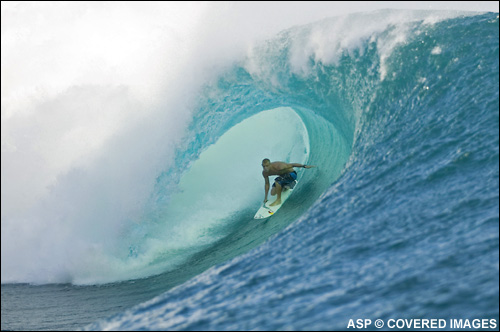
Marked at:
<point>278,191</point>
<point>277,182</point>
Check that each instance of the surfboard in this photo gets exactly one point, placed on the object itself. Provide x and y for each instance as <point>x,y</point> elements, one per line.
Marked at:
<point>266,211</point>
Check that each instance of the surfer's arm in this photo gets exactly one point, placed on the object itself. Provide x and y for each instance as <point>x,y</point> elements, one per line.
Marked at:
<point>301,165</point>
<point>266,179</point>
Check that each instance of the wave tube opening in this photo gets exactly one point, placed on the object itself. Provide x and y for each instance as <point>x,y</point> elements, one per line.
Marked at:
<point>209,218</point>
<point>220,191</point>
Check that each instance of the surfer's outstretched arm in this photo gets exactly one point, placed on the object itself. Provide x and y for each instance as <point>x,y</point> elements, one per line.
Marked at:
<point>301,165</point>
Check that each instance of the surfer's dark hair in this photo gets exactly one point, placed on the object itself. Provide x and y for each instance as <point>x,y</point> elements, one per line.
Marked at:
<point>265,161</point>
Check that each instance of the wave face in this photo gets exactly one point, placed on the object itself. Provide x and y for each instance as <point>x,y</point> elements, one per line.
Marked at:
<point>399,112</point>
<point>401,216</point>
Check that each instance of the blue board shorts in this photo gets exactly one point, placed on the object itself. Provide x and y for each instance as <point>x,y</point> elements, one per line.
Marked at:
<point>285,179</point>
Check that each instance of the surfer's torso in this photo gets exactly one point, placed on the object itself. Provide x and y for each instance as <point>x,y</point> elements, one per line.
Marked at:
<point>278,168</point>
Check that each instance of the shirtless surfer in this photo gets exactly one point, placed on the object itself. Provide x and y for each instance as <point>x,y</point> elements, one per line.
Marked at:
<point>286,175</point>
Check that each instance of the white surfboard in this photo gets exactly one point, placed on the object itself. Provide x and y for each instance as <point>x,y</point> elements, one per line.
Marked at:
<point>267,211</point>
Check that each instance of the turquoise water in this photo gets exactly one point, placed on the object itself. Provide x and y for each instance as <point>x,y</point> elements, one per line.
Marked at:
<point>399,220</point>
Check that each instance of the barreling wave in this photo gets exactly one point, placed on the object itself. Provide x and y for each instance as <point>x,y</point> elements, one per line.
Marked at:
<point>307,95</point>
<point>325,94</point>
<point>401,218</point>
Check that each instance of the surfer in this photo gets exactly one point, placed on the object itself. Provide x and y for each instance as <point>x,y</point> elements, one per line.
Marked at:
<point>286,175</point>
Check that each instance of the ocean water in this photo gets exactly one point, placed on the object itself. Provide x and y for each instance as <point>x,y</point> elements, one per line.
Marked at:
<point>399,111</point>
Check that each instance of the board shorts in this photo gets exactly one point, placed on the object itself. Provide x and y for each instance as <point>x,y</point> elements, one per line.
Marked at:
<point>286,179</point>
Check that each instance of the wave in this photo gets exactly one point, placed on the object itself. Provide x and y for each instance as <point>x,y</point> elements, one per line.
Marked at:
<point>414,212</point>
<point>158,195</point>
